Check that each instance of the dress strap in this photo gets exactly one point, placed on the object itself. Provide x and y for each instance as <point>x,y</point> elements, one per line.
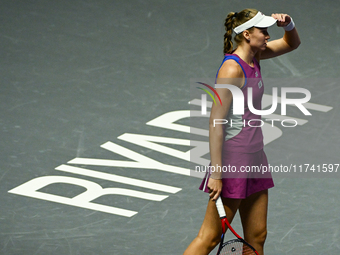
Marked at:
<point>227,57</point>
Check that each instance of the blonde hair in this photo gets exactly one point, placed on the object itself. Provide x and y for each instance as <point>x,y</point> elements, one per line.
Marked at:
<point>233,20</point>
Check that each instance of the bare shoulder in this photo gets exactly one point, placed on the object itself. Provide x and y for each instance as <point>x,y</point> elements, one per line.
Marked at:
<point>230,69</point>
<point>231,73</point>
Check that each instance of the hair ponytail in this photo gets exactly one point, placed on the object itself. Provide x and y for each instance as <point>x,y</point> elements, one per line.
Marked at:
<point>228,41</point>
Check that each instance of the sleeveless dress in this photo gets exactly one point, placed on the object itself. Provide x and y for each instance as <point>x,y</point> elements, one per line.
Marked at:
<point>243,158</point>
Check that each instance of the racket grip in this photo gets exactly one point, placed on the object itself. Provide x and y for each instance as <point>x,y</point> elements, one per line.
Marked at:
<point>220,208</point>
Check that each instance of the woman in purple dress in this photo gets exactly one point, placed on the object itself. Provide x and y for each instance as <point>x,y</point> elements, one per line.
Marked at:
<point>239,143</point>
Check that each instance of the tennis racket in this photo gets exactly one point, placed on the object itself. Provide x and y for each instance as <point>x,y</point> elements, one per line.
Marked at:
<point>236,246</point>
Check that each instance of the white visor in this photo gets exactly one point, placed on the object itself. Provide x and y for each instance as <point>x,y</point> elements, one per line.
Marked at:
<point>259,20</point>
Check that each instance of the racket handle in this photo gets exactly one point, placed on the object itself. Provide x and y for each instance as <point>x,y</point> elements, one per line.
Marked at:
<point>220,208</point>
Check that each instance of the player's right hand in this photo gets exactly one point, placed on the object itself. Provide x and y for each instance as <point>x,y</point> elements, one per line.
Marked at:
<point>215,188</point>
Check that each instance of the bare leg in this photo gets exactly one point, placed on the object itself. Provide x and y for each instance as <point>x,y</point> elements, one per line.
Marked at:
<point>211,230</point>
<point>253,212</point>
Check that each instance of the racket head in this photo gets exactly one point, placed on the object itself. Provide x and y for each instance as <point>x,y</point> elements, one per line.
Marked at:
<point>236,247</point>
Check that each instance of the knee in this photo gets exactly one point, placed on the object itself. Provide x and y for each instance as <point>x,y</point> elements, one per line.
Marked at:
<point>210,239</point>
<point>261,237</point>
<point>258,237</point>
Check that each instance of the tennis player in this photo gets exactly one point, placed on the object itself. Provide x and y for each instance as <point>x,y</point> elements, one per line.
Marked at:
<point>241,145</point>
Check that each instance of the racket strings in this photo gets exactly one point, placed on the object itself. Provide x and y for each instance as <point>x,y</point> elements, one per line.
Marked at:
<point>237,248</point>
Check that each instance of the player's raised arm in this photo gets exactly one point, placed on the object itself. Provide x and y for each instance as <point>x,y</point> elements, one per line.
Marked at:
<point>290,40</point>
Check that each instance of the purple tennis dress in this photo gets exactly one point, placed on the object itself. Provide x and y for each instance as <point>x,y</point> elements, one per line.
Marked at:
<point>243,158</point>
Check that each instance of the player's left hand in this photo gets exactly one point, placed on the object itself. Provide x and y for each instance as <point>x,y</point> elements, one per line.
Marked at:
<point>282,19</point>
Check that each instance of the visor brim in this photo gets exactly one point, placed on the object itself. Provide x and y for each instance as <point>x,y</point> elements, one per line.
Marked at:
<point>266,22</point>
